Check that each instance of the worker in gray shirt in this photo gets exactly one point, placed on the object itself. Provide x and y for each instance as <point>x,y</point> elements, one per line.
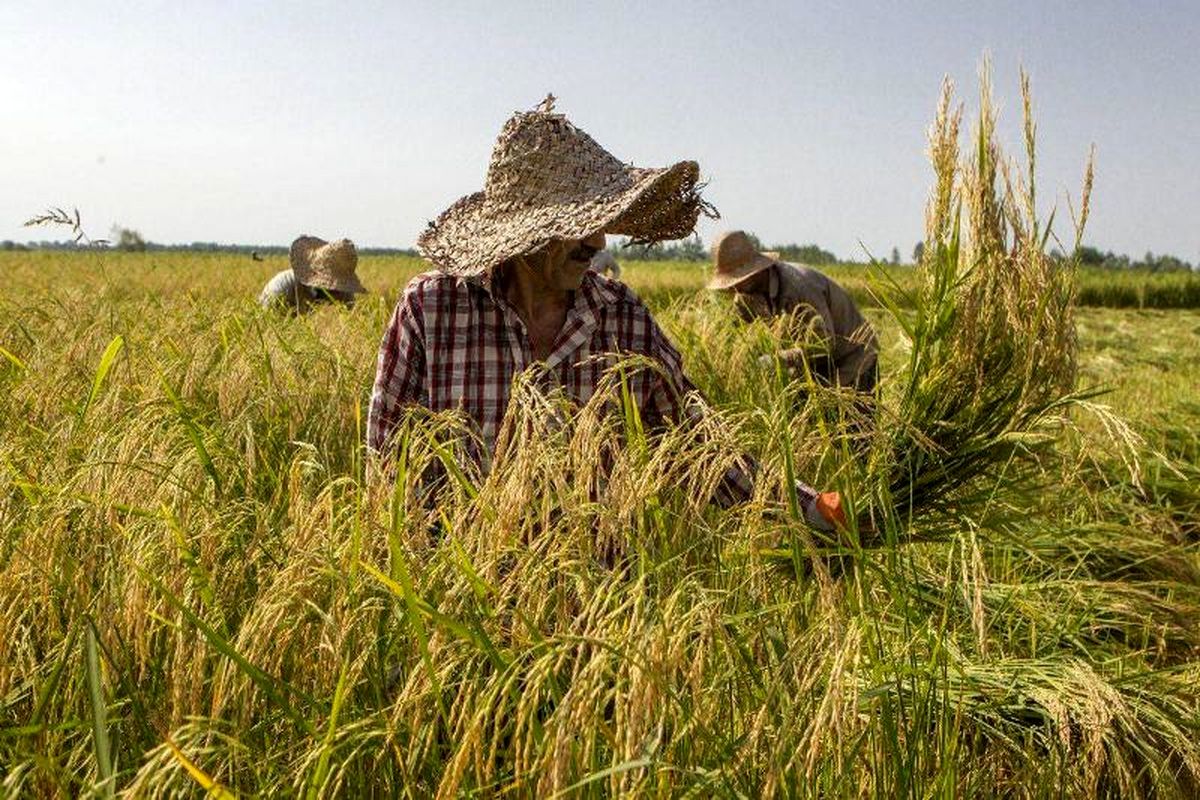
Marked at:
<point>766,287</point>
<point>605,264</point>
<point>320,272</point>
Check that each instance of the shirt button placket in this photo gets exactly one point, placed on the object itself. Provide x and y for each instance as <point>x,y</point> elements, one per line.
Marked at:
<point>518,340</point>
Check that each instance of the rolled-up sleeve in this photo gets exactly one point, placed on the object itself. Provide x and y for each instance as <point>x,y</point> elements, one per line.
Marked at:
<point>400,369</point>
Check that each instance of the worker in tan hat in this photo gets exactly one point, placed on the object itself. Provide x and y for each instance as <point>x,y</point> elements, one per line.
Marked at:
<point>766,287</point>
<point>606,264</point>
<point>513,289</point>
<point>320,272</point>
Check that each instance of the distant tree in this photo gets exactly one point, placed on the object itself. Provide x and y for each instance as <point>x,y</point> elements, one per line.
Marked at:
<point>806,254</point>
<point>1166,263</point>
<point>895,255</point>
<point>1090,256</point>
<point>690,250</point>
<point>128,239</point>
<point>918,252</point>
<point>625,250</point>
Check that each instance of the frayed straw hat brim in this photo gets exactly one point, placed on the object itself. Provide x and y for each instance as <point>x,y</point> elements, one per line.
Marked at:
<point>730,280</point>
<point>469,238</point>
<point>321,265</point>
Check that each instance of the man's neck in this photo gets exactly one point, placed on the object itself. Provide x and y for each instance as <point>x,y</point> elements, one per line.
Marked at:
<point>531,294</point>
<point>541,305</point>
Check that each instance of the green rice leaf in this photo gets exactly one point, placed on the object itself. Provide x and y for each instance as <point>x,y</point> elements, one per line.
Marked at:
<point>100,740</point>
<point>277,691</point>
<point>106,362</point>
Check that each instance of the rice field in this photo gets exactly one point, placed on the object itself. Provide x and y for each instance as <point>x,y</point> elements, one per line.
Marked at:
<point>208,588</point>
<point>199,588</point>
<point>1098,288</point>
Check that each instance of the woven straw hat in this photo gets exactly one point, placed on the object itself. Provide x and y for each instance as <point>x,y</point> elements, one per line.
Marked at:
<point>326,265</point>
<point>547,181</point>
<point>735,260</point>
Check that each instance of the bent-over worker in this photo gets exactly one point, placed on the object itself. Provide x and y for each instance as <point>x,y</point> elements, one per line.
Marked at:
<point>606,264</point>
<point>320,272</point>
<point>766,287</point>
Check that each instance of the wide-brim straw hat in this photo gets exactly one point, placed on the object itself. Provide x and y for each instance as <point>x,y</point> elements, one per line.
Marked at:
<point>735,260</point>
<point>326,265</point>
<point>549,181</point>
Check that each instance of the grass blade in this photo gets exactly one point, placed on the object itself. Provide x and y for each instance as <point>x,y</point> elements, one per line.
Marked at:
<point>322,772</point>
<point>193,433</point>
<point>100,740</point>
<point>206,782</point>
<point>12,359</point>
<point>102,369</point>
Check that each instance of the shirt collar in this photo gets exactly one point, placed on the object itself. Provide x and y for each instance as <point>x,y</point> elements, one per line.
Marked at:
<point>594,293</point>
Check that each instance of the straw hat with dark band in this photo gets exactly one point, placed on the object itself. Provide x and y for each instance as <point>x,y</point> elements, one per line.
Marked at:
<point>549,181</point>
<point>326,265</point>
<point>735,260</point>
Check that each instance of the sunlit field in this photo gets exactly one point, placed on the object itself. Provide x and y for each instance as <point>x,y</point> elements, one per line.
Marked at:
<point>198,584</point>
<point>209,587</point>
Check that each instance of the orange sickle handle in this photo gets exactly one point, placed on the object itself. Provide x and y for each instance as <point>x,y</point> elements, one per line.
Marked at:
<point>829,504</point>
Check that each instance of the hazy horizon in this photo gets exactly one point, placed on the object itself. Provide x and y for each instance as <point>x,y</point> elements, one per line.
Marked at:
<point>254,124</point>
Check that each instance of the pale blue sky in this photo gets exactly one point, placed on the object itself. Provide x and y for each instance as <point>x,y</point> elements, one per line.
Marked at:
<point>255,122</point>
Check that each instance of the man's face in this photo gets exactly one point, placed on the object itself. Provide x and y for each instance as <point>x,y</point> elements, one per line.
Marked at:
<point>569,261</point>
<point>750,296</point>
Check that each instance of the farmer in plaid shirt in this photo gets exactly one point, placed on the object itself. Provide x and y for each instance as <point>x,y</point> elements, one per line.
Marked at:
<point>513,290</point>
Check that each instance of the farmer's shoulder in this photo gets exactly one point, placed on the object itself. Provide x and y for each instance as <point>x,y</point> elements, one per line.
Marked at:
<point>280,282</point>
<point>801,274</point>
<point>804,283</point>
<point>281,286</point>
<point>435,286</point>
<point>433,280</point>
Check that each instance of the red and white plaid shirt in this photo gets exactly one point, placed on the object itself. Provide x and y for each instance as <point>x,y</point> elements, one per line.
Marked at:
<point>456,343</point>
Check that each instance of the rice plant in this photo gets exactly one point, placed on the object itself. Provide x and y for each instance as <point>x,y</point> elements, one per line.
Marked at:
<point>992,350</point>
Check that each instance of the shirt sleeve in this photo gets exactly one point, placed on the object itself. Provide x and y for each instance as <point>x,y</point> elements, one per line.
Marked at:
<point>400,369</point>
<point>281,289</point>
<point>855,345</point>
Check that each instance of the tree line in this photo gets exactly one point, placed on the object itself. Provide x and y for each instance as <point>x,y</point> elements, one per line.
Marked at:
<point>128,240</point>
<point>1093,257</point>
<point>690,249</point>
